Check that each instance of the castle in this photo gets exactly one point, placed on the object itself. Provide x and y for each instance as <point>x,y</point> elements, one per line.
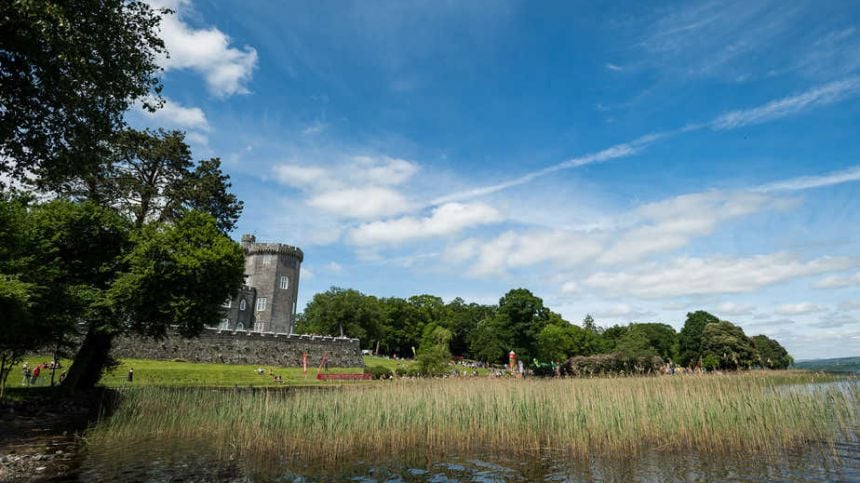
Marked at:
<point>258,324</point>
<point>267,300</point>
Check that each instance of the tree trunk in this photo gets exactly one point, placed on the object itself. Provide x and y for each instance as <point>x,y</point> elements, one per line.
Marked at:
<point>90,361</point>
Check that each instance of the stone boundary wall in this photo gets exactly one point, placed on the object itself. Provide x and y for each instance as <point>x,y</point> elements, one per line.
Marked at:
<point>243,347</point>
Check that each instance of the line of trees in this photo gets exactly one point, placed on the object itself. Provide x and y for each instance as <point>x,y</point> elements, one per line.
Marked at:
<point>104,229</point>
<point>520,322</point>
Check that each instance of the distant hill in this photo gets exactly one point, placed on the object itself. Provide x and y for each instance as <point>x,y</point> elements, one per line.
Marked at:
<point>842,364</point>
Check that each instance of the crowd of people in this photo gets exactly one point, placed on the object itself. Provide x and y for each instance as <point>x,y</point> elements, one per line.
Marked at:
<point>31,376</point>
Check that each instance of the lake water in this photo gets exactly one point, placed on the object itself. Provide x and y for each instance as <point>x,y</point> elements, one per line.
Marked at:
<point>149,464</point>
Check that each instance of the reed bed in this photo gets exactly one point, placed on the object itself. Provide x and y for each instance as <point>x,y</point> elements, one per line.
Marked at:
<point>738,414</point>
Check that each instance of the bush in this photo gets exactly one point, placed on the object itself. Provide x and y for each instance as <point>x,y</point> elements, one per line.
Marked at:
<point>610,364</point>
<point>379,372</point>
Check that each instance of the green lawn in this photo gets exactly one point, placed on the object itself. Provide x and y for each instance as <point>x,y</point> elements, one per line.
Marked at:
<point>170,373</point>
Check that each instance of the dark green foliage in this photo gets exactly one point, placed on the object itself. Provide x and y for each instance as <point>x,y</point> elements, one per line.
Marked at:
<point>559,342</point>
<point>149,176</point>
<point>610,364</point>
<point>462,319</point>
<point>434,353</point>
<point>490,342</point>
<point>521,316</point>
<point>661,338</point>
<point>68,72</point>
<point>379,372</point>
<point>358,315</point>
<point>612,335</point>
<point>771,354</point>
<point>729,345</point>
<point>690,338</point>
<point>178,275</point>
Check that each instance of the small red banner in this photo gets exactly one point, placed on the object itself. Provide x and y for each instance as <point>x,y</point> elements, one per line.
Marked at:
<point>343,377</point>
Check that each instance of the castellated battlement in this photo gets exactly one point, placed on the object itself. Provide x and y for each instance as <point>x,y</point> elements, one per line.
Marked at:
<point>274,249</point>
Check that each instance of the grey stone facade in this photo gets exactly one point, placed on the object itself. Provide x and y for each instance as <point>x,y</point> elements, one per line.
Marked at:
<point>267,303</point>
<point>255,348</point>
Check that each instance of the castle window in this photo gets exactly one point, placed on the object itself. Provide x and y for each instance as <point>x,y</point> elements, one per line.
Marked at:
<point>261,304</point>
<point>224,324</point>
<point>242,305</point>
<point>227,303</point>
<point>285,282</point>
<point>240,326</point>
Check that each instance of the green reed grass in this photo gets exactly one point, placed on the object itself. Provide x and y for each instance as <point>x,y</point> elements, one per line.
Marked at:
<point>740,414</point>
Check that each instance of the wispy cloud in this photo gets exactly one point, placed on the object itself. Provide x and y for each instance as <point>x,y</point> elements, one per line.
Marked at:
<point>771,111</point>
<point>808,182</point>
<point>717,275</point>
<point>800,308</point>
<point>819,96</point>
<point>838,281</point>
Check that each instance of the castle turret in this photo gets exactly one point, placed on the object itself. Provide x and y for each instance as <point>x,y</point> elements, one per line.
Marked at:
<point>273,270</point>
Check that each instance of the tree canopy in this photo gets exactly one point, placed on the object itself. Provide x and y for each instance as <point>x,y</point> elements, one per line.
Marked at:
<point>690,340</point>
<point>68,73</point>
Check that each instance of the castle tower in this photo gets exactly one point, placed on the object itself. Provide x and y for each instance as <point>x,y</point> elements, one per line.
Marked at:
<point>273,270</point>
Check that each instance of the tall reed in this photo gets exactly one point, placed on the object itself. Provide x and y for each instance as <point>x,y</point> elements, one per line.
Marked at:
<point>751,413</point>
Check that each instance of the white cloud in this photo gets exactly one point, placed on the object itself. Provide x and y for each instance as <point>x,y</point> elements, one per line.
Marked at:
<point>732,308</point>
<point>370,202</point>
<point>836,319</point>
<point>671,224</point>
<point>819,96</point>
<point>807,182</point>
<point>838,281</point>
<point>699,276</point>
<point>227,69</point>
<point>362,187</point>
<point>334,267</point>
<point>174,115</point>
<point>816,97</point>
<point>616,68</point>
<point>622,311</point>
<point>850,305</point>
<point>513,250</point>
<point>314,128</point>
<point>299,176</point>
<point>445,220</point>
<point>801,308</point>
<point>569,288</point>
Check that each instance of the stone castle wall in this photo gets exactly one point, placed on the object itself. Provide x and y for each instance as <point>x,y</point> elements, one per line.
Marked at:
<point>255,348</point>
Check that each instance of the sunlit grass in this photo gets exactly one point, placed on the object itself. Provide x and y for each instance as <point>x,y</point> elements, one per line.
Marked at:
<point>191,374</point>
<point>742,414</point>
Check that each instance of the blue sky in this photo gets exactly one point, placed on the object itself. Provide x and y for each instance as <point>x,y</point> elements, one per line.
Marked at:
<point>631,161</point>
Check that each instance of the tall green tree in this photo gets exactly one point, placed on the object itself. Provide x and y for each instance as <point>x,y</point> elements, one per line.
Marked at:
<point>169,276</point>
<point>523,316</point>
<point>727,343</point>
<point>149,176</point>
<point>690,338</point>
<point>462,320</point>
<point>662,338</point>
<point>771,354</point>
<point>491,340</point>
<point>69,70</point>
<point>558,342</point>
<point>358,315</point>
<point>434,353</point>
